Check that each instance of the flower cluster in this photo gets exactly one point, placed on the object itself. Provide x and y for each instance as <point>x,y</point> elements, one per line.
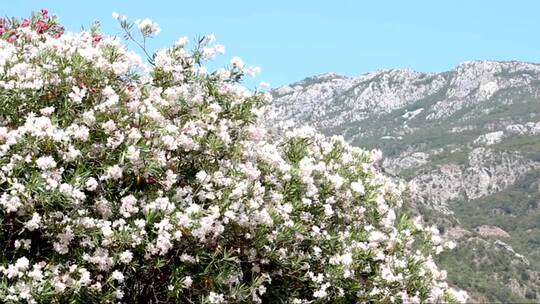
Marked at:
<point>11,30</point>
<point>129,182</point>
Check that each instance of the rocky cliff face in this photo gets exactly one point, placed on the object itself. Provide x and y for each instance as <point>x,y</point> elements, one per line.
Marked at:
<point>464,138</point>
<point>449,127</point>
<point>486,172</point>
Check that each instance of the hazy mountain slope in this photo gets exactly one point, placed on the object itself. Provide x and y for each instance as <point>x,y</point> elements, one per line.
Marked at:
<point>466,138</point>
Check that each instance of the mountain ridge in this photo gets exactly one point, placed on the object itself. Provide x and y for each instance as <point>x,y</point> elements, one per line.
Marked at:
<point>377,71</point>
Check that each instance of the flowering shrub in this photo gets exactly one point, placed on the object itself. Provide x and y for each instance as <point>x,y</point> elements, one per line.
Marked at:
<point>129,182</point>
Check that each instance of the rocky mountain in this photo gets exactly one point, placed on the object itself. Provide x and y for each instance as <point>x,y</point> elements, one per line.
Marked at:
<point>468,140</point>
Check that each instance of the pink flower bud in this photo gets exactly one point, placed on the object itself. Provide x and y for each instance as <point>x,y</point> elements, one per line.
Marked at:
<point>45,13</point>
<point>41,27</point>
<point>12,39</point>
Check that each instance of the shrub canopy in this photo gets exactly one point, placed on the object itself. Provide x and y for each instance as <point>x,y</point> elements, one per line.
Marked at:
<point>124,181</point>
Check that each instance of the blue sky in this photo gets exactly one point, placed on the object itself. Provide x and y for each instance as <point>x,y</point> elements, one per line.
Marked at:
<point>291,40</point>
